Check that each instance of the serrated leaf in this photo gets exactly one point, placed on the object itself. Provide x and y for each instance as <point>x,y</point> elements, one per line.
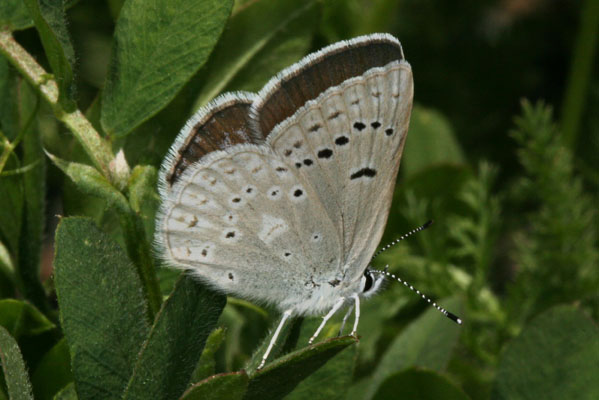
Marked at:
<point>53,372</point>
<point>22,319</point>
<point>171,352</point>
<point>427,342</point>
<point>230,386</point>
<point>418,384</point>
<point>281,376</point>
<point>555,357</point>
<point>249,53</point>
<point>431,141</point>
<point>15,373</point>
<point>102,308</point>
<point>50,20</point>
<point>159,45</point>
<point>90,181</point>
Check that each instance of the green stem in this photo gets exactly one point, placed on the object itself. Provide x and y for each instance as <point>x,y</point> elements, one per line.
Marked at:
<point>580,72</point>
<point>140,253</point>
<point>98,149</point>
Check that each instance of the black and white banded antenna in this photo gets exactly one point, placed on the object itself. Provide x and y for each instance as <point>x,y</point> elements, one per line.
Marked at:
<point>405,236</point>
<point>443,311</point>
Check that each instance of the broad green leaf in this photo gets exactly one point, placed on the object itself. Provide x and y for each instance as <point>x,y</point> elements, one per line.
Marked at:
<point>53,372</point>
<point>15,373</point>
<point>142,195</point>
<point>14,15</point>
<point>90,181</point>
<point>418,384</point>
<point>34,185</point>
<point>22,319</point>
<point>173,348</point>
<point>206,365</point>
<point>102,308</point>
<point>249,53</point>
<point>9,108</point>
<point>67,393</point>
<point>427,342</point>
<point>555,357</point>
<point>230,386</point>
<point>50,20</point>
<point>331,381</point>
<point>159,45</point>
<point>278,378</point>
<point>7,276</point>
<point>430,141</point>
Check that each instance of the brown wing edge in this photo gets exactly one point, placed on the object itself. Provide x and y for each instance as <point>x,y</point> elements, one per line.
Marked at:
<point>220,124</point>
<point>305,80</point>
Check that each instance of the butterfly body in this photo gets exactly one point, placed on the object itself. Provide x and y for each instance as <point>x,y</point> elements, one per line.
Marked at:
<point>283,196</point>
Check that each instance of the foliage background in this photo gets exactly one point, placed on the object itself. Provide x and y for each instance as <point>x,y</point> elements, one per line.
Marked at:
<point>502,154</point>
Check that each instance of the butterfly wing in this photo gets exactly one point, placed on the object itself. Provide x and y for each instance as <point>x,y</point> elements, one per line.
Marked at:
<point>241,219</point>
<point>347,139</point>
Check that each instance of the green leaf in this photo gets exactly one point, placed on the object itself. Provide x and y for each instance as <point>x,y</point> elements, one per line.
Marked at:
<point>50,20</point>
<point>174,346</point>
<point>281,376</point>
<point>555,357</point>
<point>249,53</point>
<point>427,342</point>
<point>159,45</point>
<point>230,386</point>
<point>14,15</point>
<point>11,208</point>
<point>67,393</point>
<point>22,319</point>
<point>102,308</point>
<point>34,185</point>
<point>430,141</point>
<point>90,181</point>
<point>417,384</point>
<point>331,381</point>
<point>206,365</point>
<point>15,373</point>
<point>53,372</point>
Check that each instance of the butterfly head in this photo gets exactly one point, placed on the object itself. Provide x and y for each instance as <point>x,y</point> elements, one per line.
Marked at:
<point>370,283</point>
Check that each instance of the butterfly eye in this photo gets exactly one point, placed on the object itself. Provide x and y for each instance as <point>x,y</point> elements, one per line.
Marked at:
<point>369,281</point>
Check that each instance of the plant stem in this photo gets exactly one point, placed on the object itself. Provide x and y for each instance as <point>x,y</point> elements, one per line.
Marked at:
<point>580,72</point>
<point>98,149</point>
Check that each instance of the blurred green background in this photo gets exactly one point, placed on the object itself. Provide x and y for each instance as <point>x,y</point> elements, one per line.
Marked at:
<point>503,154</point>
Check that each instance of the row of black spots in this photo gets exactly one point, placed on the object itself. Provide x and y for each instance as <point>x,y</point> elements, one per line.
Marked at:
<point>364,172</point>
<point>307,162</point>
<point>359,126</point>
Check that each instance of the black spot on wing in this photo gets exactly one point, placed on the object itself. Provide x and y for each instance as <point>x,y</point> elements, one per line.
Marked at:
<point>325,153</point>
<point>364,172</point>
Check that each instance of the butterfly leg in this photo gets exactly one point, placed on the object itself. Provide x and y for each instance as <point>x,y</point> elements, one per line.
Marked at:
<point>357,302</point>
<point>336,307</point>
<point>273,340</point>
<point>347,314</point>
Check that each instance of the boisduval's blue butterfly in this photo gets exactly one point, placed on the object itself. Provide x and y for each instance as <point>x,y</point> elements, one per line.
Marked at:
<point>281,197</point>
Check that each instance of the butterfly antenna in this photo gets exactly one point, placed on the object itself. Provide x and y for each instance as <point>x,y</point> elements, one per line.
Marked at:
<point>405,236</point>
<point>443,311</point>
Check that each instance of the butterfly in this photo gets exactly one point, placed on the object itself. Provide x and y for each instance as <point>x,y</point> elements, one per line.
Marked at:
<point>282,197</point>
